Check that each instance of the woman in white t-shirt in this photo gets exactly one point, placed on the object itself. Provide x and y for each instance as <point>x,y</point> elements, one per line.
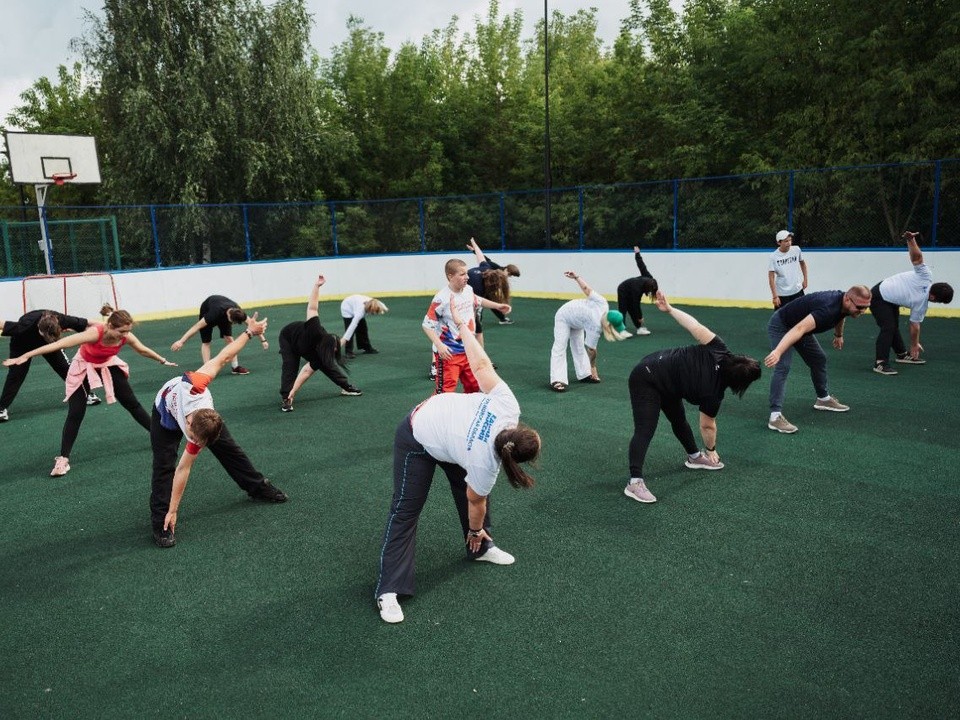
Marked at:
<point>469,436</point>
<point>579,323</point>
<point>354,310</point>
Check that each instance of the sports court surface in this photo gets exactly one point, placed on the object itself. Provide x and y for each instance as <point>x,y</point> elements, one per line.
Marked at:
<point>815,576</point>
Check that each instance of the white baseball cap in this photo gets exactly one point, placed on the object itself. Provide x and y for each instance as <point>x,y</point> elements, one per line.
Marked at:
<point>783,235</point>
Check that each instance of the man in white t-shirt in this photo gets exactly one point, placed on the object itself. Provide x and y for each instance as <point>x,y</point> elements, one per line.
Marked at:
<point>184,408</point>
<point>912,289</point>
<point>470,436</point>
<point>786,270</point>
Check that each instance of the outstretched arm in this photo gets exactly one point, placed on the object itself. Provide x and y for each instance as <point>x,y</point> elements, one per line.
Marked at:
<point>88,335</point>
<point>477,252</point>
<point>194,329</point>
<point>808,324</point>
<point>214,365</point>
<point>580,281</point>
<point>313,304</point>
<point>134,342</point>
<point>641,265</point>
<point>916,257</point>
<point>479,361</point>
<point>701,333</point>
<point>180,477</point>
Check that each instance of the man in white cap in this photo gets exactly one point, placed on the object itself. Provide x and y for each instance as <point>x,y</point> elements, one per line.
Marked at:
<point>787,270</point>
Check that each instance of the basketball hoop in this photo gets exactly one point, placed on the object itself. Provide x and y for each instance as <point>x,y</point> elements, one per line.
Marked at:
<point>61,178</point>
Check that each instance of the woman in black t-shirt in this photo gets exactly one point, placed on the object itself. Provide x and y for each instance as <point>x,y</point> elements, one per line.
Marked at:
<point>698,374</point>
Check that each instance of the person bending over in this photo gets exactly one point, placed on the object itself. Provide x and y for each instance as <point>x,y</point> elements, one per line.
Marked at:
<point>184,409</point>
<point>913,289</point>
<point>699,374</point>
<point>218,312</point>
<point>631,291</point>
<point>469,436</point>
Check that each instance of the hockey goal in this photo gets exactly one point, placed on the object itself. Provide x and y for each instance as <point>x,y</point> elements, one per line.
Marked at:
<point>78,294</point>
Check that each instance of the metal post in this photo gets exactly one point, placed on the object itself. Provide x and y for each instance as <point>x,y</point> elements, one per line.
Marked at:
<point>503,223</point>
<point>45,247</point>
<point>333,227</point>
<point>580,214</point>
<point>156,236</point>
<point>246,233</point>
<point>790,204</point>
<point>676,212</point>
<point>936,204</point>
<point>546,120</point>
<point>423,226</point>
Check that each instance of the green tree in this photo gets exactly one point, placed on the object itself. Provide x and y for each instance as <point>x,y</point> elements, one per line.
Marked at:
<point>210,102</point>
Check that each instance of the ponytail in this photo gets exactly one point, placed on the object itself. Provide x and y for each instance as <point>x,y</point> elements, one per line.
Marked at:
<point>517,445</point>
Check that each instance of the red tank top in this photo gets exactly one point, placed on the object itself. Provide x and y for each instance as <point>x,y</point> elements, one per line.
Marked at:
<point>96,352</point>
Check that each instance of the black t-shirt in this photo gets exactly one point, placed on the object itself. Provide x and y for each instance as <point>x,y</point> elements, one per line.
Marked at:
<point>826,307</point>
<point>213,310</point>
<point>305,339</point>
<point>25,331</point>
<point>475,278</point>
<point>691,373</point>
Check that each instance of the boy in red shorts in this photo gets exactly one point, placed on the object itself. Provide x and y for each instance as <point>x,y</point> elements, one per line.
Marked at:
<point>438,325</point>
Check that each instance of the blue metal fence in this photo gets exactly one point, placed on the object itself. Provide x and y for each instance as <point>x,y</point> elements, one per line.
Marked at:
<point>838,207</point>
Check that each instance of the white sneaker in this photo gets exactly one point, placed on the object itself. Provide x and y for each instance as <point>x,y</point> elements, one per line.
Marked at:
<point>4,416</point>
<point>92,399</point>
<point>642,331</point>
<point>638,491</point>
<point>389,608</point>
<point>61,466</point>
<point>496,556</point>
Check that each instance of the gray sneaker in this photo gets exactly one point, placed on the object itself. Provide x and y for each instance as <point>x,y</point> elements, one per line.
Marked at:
<point>702,462</point>
<point>638,491</point>
<point>831,405</point>
<point>782,425</point>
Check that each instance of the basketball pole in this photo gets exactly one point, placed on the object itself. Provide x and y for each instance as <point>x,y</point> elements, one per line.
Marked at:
<point>45,246</point>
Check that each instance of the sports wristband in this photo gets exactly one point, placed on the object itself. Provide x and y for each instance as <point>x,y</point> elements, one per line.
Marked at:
<point>713,449</point>
<point>248,333</point>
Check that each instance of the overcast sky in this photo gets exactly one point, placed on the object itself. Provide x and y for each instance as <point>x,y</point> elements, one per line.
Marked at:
<point>35,34</point>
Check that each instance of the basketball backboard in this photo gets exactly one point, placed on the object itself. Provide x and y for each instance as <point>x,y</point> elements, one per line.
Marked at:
<point>35,159</point>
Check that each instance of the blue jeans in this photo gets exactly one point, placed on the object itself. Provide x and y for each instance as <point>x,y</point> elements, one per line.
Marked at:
<point>809,349</point>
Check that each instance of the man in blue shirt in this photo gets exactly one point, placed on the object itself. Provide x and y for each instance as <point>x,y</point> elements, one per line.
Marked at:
<point>795,325</point>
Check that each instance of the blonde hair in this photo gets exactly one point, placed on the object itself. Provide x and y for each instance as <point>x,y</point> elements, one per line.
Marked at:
<point>611,334</point>
<point>375,307</point>
<point>453,265</point>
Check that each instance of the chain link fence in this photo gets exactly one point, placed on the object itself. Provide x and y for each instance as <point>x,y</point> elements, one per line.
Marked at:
<point>852,207</point>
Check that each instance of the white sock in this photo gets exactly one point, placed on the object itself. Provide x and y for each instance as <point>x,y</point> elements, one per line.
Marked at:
<point>234,363</point>
<point>695,455</point>
<point>775,415</point>
<point>823,399</point>
<point>634,481</point>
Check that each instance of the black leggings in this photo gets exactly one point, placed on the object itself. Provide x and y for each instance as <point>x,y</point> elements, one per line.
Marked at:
<point>647,402</point>
<point>887,316</point>
<point>78,408</point>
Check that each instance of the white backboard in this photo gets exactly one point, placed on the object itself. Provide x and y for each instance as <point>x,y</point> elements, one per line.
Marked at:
<point>36,158</point>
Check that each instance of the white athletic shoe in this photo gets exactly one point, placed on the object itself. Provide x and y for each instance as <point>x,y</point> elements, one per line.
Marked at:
<point>389,608</point>
<point>496,556</point>
<point>642,331</point>
<point>4,416</point>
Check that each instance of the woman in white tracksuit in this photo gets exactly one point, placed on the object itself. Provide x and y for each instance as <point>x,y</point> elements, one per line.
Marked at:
<point>579,323</point>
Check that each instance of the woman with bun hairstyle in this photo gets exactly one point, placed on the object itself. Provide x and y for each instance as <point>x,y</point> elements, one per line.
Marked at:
<point>97,362</point>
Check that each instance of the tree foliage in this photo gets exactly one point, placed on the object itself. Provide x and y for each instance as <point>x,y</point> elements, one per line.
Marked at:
<point>224,101</point>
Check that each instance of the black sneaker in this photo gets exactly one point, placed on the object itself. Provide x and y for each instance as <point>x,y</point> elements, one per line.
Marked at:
<point>882,367</point>
<point>908,360</point>
<point>164,538</point>
<point>371,351</point>
<point>268,492</point>
<point>92,399</point>
<point>240,370</point>
<point>350,390</point>
<point>286,405</point>
<point>506,321</point>
<point>350,356</point>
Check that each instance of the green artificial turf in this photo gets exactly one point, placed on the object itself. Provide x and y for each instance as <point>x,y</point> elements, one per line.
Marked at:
<point>815,576</point>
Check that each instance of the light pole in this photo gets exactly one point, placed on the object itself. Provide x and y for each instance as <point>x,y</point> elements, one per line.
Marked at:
<point>548,180</point>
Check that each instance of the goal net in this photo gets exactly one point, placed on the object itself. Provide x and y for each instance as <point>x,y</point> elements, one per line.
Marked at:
<point>78,294</point>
